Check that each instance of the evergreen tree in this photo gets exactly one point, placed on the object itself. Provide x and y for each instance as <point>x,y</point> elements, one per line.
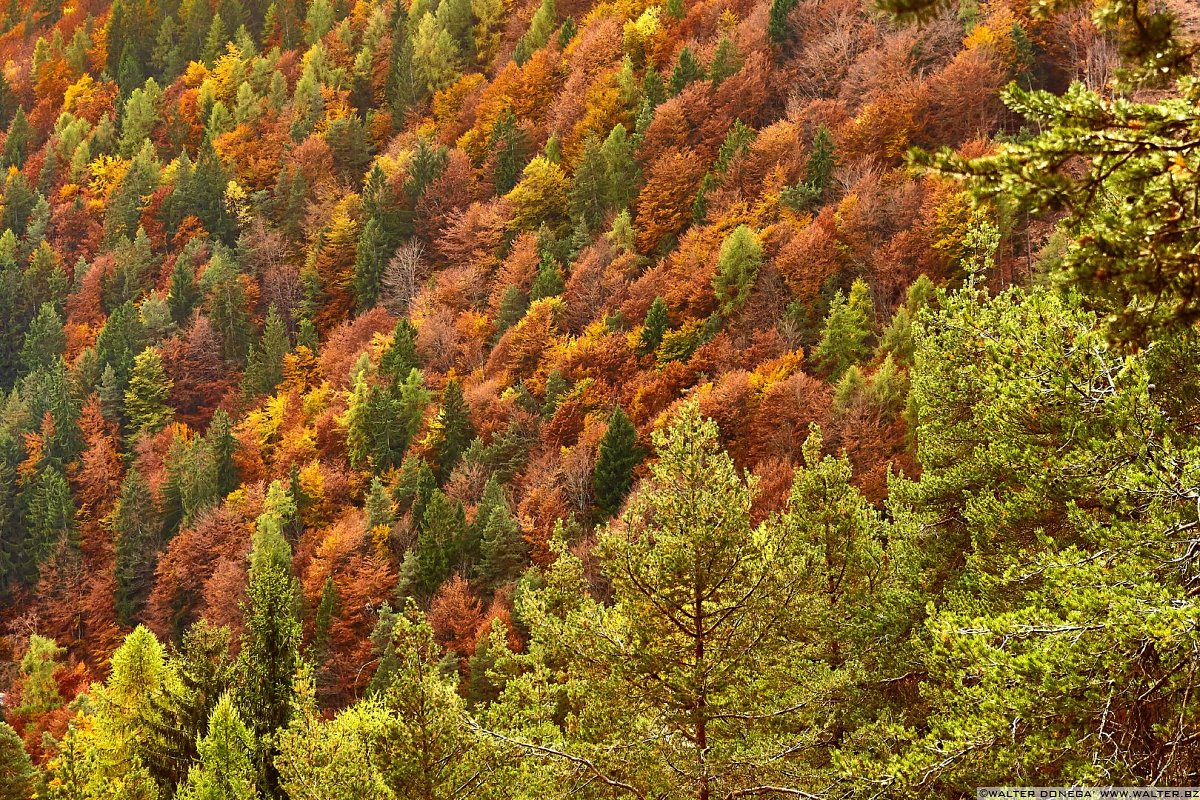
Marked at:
<point>450,431</point>
<point>846,338</point>
<point>17,775</point>
<point>225,770</point>
<point>687,69</point>
<point>264,368</point>
<point>381,421</point>
<point>619,455</point>
<point>737,268</point>
<point>270,650</point>
<point>147,399</point>
<point>549,280</point>
<point>379,507</point>
<point>136,530</point>
<point>503,550</point>
<point>370,259</point>
<point>221,442</point>
<point>45,341</point>
<point>777,21</point>
<point>201,672</point>
<point>19,141</point>
<point>400,358</point>
<point>656,324</point>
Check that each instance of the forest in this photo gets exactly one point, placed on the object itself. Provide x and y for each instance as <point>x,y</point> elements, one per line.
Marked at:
<point>639,399</point>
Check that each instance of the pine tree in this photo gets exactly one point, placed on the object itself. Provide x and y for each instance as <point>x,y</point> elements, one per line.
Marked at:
<point>183,294</point>
<point>147,400</point>
<point>136,529</point>
<point>45,340</point>
<point>450,432</point>
<point>264,368</point>
<point>19,140</point>
<point>619,455</point>
<point>379,507</point>
<point>201,672</point>
<point>777,21</point>
<point>687,69</point>
<point>400,358</point>
<point>443,528</point>
<point>737,268</point>
<point>549,280</point>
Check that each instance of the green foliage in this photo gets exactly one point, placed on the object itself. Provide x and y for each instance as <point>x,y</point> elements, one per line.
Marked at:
<point>226,767</point>
<point>136,529</point>
<point>17,776</point>
<point>737,268</point>
<point>270,649</point>
<point>450,431</point>
<point>618,456</point>
<point>846,338</point>
<point>687,69</point>
<point>381,421</point>
<point>147,400</point>
<point>264,367</point>
<point>503,551</point>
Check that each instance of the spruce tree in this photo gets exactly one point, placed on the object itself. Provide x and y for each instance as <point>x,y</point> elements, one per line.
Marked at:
<point>271,647</point>
<point>655,325</point>
<point>450,432</point>
<point>136,529</point>
<point>225,770</point>
<point>17,776</point>
<point>846,338</point>
<point>369,261</point>
<point>504,553</point>
<point>737,268</point>
<point>619,454</point>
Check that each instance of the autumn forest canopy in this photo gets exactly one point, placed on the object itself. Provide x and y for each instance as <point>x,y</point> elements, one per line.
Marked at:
<point>713,399</point>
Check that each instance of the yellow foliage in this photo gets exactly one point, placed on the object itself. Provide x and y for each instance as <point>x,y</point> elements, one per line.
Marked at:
<point>541,194</point>
<point>79,93</point>
<point>227,74</point>
<point>771,372</point>
<point>448,102</point>
<point>107,173</point>
<point>195,74</point>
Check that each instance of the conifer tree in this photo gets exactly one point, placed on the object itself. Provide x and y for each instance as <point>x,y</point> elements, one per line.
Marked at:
<point>451,431</point>
<point>147,400</point>
<point>369,261</point>
<point>846,338</point>
<point>270,651</point>
<point>503,550</point>
<point>225,770</point>
<point>619,454</point>
<point>200,674</point>
<point>264,367</point>
<point>737,268</point>
<point>655,325</point>
<point>687,69</point>
<point>136,528</point>
<point>400,358</point>
<point>17,776</point>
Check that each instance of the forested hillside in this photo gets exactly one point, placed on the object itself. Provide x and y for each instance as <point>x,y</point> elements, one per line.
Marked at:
<point>598,398</point>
